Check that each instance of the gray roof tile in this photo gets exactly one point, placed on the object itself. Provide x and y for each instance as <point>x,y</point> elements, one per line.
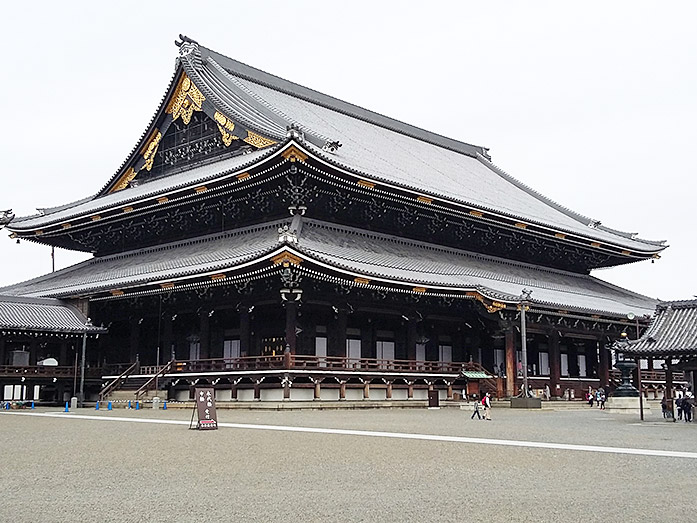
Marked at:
<point>673,331</point>
<point>41,315</point>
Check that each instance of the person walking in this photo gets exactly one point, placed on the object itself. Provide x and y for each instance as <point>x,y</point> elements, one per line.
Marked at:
<point>486,401</point>
<point>687,409</point>
<point>477,402</point>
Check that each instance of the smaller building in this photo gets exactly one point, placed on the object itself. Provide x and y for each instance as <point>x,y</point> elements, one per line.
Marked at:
<point>40,342</point>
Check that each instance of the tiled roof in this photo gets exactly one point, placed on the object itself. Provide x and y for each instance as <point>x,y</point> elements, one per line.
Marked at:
<point>387,257</point>
<point>162,263</point>
<point>41,315</point>
<point>353,251</point>
<point>158,186</point>
<point>673,331</point>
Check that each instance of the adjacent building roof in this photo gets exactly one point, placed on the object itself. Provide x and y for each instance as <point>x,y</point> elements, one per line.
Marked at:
<point>672,332</point>
<point>356,253</point>
<point>42,315</point>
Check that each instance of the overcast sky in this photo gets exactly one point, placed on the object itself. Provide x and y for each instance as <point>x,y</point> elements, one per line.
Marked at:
<point>594,104</point>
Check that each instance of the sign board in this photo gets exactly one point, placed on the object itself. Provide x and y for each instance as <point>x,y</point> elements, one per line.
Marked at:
<point>205,407</point>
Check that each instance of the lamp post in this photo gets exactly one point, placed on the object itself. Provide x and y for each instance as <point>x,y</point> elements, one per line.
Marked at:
<point>631,316</point>
<point>88,324</point>
<point>525,298</point>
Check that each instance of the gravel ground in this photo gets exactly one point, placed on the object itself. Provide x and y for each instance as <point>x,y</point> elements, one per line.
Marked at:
<point>55,469</point>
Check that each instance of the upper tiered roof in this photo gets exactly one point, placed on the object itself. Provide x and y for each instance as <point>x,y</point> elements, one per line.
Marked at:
<point>268,112</point>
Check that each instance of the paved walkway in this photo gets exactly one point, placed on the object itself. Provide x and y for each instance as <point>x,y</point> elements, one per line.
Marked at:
<point>375,465</point>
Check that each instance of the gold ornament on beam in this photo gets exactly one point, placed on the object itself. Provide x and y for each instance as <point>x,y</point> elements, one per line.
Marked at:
<point>151,148</point>
<point>125,179</point>
<point>186,99</point>
<point>225,126</point>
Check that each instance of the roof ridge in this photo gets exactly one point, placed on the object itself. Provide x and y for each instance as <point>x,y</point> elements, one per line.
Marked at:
<point>307,94</point>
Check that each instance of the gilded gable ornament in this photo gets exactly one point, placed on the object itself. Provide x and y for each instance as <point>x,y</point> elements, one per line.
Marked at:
<point>151,148</point>
<point>257,140</point>
<point>186,99</point>
<point>225,126</point>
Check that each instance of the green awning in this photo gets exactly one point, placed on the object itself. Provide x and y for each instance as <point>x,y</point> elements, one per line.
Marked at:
<point>475,374</point>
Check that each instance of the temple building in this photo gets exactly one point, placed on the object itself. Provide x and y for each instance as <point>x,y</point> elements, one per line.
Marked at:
<point>278,243</point>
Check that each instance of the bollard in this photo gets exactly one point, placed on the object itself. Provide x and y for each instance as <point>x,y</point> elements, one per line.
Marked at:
<point>108,407</point>
<point>7,406</point>
<point>66,407</point>
<point>32,404</point>
<point>129,404</point>
<point>96,406</point>
<point>164,405</point>
<point>137,405</point>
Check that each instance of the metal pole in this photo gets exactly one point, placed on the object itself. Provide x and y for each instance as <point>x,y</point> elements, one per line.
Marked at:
<point>524,348</point>
<point>75,375</point>
<point>641,393</point>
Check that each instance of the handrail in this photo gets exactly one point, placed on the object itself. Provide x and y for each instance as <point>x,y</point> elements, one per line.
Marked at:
<point>116,382</point>
<point>144,388</point>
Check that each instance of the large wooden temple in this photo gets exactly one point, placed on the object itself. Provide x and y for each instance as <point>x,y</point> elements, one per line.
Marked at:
<point>275,242</point>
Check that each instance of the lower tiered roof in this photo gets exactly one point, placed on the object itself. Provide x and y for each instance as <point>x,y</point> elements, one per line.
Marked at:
<point>337,253</point>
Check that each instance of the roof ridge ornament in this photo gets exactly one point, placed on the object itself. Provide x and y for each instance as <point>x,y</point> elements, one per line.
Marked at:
<point>293,131</point>
<point>331,146</point>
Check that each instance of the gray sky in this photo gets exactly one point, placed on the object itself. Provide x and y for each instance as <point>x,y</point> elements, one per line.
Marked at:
<point>593,104</point>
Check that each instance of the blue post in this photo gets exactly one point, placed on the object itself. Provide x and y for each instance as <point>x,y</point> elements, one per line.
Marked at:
<point>137,405</point>
<point>164,405</point>
<point>7,406</point>
<point>108,407</point>
<point>129,404</point>
<point>96,407</point>
<point>66,407</point>
<point>32,404</point>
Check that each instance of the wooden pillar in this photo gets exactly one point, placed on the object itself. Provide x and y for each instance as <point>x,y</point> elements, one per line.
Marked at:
<point>33,350</point>
<point>204,335</point>
<point>63,354</point>
<point>669,385</point>
<point>286,387</point>
<point>450,391</point>
<point>245,330</point>
<point>291,324</point>
<point>604,366</point>
<point>388,391</point>
<point>339,337</point>
<point>411,341</point>
<point>318,390</point>
<point>366,390</point>
<point>233,391</point>
<point>2,354</point>
<point>510,363</point>
<point>342,390</point>
<point>134,337</point>
<point>257,390</point>
<point>368,344</point>
<point>554,364</point>
<point>167,336</point>
<point>410,390</point>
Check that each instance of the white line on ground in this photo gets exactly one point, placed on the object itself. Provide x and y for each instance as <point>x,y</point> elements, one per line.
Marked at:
<point>395,435</point>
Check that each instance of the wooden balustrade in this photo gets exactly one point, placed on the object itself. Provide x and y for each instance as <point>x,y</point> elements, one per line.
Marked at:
<point>46,371</point>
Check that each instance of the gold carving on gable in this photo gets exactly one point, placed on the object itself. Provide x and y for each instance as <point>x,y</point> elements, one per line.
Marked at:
<point>185,100</point>
<point>125,179</point>
<point>286,259</point>
<point>293,154</point>
<point>225,126</point>
<point>257,140</point>
<point>151,148</point>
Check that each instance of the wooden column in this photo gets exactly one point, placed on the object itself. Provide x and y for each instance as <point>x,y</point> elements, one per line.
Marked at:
<point>245,331</point>
<point>166,345</point>
<point>33,350</point>
<point>366,390</point>
<point>411,341</point>
<point>2,352</point>
<point>669,386</point>
<point>388,391</point>
<point>342,390</point>
<point>257,390</point>
<point>450,391</point>
<point>554,364</point>
<point>291,324</point>
<point>134,337</point>
<point>204,335</point>
<point>604,366</point>
<point>410,390</point>
<point>318,390</point>
<point>63,355</point>
<point>339,337</point>
<point>510,363</point>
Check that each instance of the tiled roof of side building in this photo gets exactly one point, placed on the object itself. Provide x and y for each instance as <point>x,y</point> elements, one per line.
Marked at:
<point>673,331</point>
<point>41,315</point>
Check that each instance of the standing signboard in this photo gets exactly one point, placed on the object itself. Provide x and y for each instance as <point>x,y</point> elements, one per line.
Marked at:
<point>205,407</point>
